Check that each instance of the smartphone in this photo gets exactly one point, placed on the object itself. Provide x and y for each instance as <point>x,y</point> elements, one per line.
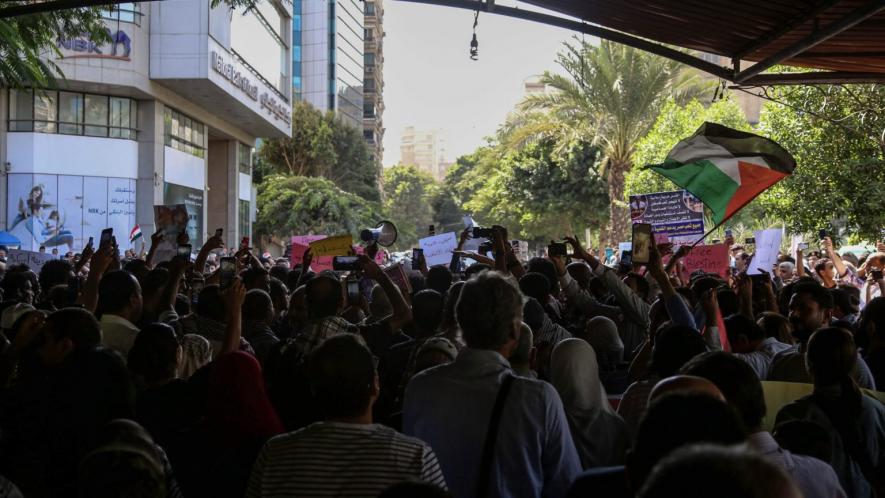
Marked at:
<point>716,241</point>
<point>557,249</point>
<point>876,274</point>
<point>417,254</point>
<point>431,231</point>
<point>750,240</point>
<point>196,288</point>
<point>481,233</point>
<point>345,263</point>
<point>642,240</point>
<point>218,232</point>
<point>353,291</point>
<point>227,271</point>
<point>184,251</point>
<point>821,234</point>
<point>802,246</point>
<point>89,244</point>
<point>627,258</point>
<point>106,236</point>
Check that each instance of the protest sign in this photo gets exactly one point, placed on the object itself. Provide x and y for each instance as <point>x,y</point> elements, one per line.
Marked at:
<point>679,215</point>
<point>398,275</point>
<point>795,240</point>
<point>438,248</point>
<point>339,245</point>
<point>768,243</point>
<point>34,260</point>
<point>300,244</point>
<point>708,258</point>
<point>172,221</point>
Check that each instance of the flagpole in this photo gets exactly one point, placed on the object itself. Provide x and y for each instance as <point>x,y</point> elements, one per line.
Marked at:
<point>706,234</point>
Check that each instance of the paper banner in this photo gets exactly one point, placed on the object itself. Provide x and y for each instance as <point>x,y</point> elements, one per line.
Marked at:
<point>398,275</point>
<point>34,260</point>
<point>438,249</point>
<point>339,245</point>
<point>709,258</point>
<point>768,243</point>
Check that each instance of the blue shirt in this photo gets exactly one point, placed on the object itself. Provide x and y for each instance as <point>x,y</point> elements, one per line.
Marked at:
<point>449,407</point>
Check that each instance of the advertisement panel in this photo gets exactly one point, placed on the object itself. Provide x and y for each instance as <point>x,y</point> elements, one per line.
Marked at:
<point>193,201</point>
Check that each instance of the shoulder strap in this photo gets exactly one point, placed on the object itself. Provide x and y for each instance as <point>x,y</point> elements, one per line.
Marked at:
<point>488,447</point>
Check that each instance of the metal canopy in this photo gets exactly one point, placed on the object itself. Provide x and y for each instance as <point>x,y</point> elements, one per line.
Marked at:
<point>844,40</point>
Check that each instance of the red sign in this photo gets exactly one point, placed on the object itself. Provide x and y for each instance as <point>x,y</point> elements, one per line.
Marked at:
<point>709,258</point>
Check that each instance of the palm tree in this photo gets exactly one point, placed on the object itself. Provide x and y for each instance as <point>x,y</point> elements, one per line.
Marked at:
<point>612,96</point>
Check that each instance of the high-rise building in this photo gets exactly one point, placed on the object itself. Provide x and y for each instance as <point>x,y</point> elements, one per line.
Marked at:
<point>373,79</point>
<point>330,70</point>
<point>425,149</point>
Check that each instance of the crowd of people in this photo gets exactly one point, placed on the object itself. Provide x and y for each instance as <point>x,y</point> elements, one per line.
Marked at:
<point>558,376</point>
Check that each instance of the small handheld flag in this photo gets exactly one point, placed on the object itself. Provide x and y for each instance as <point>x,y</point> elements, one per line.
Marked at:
<point>135,234</point>
<point>726,168</point>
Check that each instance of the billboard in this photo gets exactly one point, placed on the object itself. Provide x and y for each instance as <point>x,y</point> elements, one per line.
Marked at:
<point>193,200</point>
<point>63,211</point>
<point>679,215</point>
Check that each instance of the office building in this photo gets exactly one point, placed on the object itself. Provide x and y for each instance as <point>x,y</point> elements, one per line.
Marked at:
<point>373,79</point>
<point>426,150</point>
<point>167,113</point>
<point>331,56</point>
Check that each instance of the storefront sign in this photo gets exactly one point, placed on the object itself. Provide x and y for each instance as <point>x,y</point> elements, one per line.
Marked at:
<point>120,47</point>
<point>278,109</point>
<point>231,74</point>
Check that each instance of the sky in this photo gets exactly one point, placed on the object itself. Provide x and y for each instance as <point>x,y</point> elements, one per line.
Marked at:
<point>431,83</point>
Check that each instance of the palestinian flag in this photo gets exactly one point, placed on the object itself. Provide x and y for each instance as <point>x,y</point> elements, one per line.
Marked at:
<point>135,234</point>
<point>726,168</point>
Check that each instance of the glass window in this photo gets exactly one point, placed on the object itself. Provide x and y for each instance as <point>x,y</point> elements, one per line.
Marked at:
<point>123,12</point>
<point>370,8</point>
<point>257,40</point>
<point>183,133</point>
<point>21,110</point>
<point>120,118</point>
<point>70,113</point>
<point>96,116</point>
<point>244,220</point>
<point>244,158</point>
<point>45,111</point>
<point>369,59</point>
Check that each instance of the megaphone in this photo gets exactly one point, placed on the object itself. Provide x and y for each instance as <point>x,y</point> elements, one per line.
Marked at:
<point>384,234</point>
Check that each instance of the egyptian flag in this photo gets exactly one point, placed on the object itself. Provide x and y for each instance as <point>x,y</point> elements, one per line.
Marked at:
<point>726,168</point>
<point>135,234</point>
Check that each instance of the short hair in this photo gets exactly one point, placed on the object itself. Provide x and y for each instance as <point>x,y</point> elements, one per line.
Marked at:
<point>704,470</point>
<point>740,325</point>
<point>580,272</point>
<point>666,427</point>
<point>487,310</point>
<point>12,282</point>
<point>137,267</point>
<point>279,272</point>
<point>831,356</point>
<point>523,352</point>
<point>736,380</point>
<point>257,306</point>
<point>821,265</point>
<point>324,297</point>
<point>728,301</point>
<point>55,272</point>
<point>211,304</point>
<point>545,267</point>
<point>871,322</point>
<point>674,346</point>
<point>846,300</point>
<point>439,278</point>
<point>76,324</point>
<point>476,268</point>
<point>153,356</point>
<point>251,276</point>
<point>787,264</point>
<point>428,307</point>
<point>341,374</point>
<point>775,325</point>
<point>155,281</point>
<point>182,305</point>
<point>535,285</point>
<point>116,290</point>
<point>818,294</point>
<point>126,462</point>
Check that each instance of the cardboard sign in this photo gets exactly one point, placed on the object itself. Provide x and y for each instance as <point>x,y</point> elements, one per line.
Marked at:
<point>34,260</point>
<point>339,245</point>
<point>677,214</point>
<point>398,275</point>
<point>768,244</point>
<point>172,220</point>
<point>300,244</point>
<point>438,248</point>
<point>708,258</point>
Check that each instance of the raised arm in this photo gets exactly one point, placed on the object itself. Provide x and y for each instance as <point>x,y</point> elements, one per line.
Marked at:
<point>98,265</point>
<point>156,238</point>
<point>212,243</point>
<point>581,299</point>
<point>833,254</point>
<point>233,297</point>
<point>402,314</point>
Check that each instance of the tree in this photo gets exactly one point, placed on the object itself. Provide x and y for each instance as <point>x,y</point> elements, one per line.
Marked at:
<point>837,135</point>
<point>612,96</point>
<point>407,202</point>
<point>324,146</point>
<point>294,205</point>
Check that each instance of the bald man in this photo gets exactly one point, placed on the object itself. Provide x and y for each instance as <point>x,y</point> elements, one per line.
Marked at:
<point>685,384</point>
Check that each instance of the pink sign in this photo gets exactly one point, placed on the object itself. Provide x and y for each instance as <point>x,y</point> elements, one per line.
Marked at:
<point>300,244</point>
<point>709,258</point>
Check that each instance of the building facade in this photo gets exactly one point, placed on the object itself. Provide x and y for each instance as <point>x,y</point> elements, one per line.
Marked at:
<point>331,56</point>
<point>168,113</point>
<point>426,150</point>
<point>373,79</point>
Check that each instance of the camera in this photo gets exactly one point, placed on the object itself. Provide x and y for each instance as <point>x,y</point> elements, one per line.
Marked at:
<point>345,263</point>
<point>750,240</point>
<point>485,248</point>
<point>557,249</point>
<point>482,233</point>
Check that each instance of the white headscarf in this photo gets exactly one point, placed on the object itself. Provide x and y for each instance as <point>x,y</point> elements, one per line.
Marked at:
<point>600,435</point>
<point>602,334</point>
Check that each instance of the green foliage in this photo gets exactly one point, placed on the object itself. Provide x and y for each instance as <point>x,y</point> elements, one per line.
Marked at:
<point>324,146</point>
<point>837,135</point>
<point>407,193</point>
<point>295,205</point>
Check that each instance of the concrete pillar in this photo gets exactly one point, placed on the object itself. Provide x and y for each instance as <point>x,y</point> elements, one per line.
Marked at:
<point>149,186</point>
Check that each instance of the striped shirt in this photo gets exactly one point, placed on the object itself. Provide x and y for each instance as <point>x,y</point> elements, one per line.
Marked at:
<point>339,459</point>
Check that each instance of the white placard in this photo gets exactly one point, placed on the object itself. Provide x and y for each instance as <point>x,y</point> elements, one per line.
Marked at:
<point>438,248</point>
<point>768,243</point>
<point>34,260</point>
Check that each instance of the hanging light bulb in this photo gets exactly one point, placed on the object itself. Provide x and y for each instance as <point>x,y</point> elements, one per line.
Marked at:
<point>474,48</point>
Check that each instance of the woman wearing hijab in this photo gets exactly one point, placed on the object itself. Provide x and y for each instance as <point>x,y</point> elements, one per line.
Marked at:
<point>600,435</point>
<point>602,333</point>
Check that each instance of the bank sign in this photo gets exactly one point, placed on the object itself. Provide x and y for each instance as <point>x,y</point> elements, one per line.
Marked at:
<point>240,80</point>
<point>119,48</point>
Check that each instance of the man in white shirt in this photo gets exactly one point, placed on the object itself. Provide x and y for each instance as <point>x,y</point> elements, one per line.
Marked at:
<point>748,342</point>
<point>743,390</point>
<point>120,305</point>
<point>346,454</point>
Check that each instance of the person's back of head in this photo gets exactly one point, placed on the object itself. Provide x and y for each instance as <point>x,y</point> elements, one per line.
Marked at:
<point>521,358</point>
<point>736,380</point>
<point>545,267</point>
<point>831,357</point>
<point>676,420</point>
<point>279,294</point>
<point>776,325</point>
<point>476,269</point>
<point>55,272</point>
<point>342,377</point>
<point>137,267</point>
<point>125,463</point>
<point>675,345</point>
<point>118,290</point>
<point>279,272</point>
<point>439,278</point>
<point>489,312</point>
<point>602,333</point>
<point>16,286</point>
<point>846,300</point>
<point>154,282</point>
<point>581,272</point>
<point>258,307</point>
<point>69,331</point>
<point>324,297</point>
<point>706,470</point>
<point>535,285</point>
<point>60,296</point>
<point>255,278</point>
<point>449,320</point>
<point>743,333</point>
<point>380,306</point>
<point>871,323</point>
<point>640,283</point>
<point>155,354</point>
<point>211,303</point>
<point>428,307</point>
